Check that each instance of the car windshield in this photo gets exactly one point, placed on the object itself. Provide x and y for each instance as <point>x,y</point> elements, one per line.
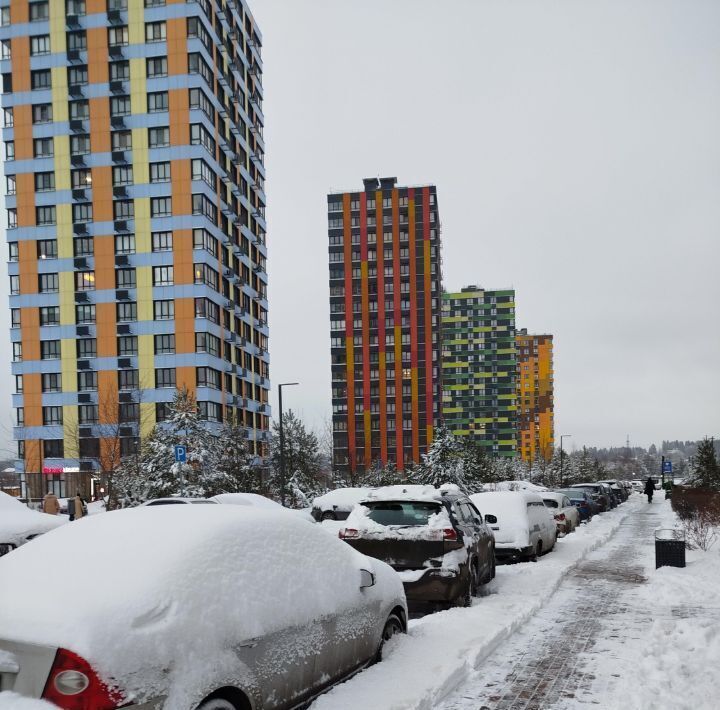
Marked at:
<point>550,503</point>
<point>401,512</point>
<point>573,493</point>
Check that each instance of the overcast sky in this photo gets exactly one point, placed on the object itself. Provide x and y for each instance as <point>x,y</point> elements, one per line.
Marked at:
<point>575,147</point>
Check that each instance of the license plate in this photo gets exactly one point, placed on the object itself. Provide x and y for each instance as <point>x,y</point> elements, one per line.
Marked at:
<point>5,548</point>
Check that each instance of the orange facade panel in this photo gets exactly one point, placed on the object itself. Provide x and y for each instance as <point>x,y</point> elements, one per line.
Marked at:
<point>177,46</point>
<point>183,257</point>
<point>97,49</point>
<point>99,128</point>
<point>102,186</point>
<point>22,120</point>
<point>20,47</point>
<point>32,399</point>
<point>104,262</point>
<point>106,331</point>
<point>19,12</point>
<point>27,253</point>
<point>181,186</point>
<point>184,325</point>
<point>30,319</point>
<point>25,185</point>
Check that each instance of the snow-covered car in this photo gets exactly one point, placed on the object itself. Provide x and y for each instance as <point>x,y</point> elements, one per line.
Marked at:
<point>621,495</point>
<point>582,500</point>
<point>523,527</point>
<point>337,504</point>
<point>436,540</point>
<point>515,486</point>
<point>189,607</point>
<point>255,500</point>
<point>173,500</point>
<point>567,516</point>
<point>19,524</point>
<point>599,493</point>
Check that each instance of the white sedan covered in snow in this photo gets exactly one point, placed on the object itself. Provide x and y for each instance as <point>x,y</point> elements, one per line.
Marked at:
<point>566,515</point>
<point>19,524</point>
<point>187,607</point>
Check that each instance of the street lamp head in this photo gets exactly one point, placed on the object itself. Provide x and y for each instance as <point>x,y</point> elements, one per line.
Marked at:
<point>287,384</point>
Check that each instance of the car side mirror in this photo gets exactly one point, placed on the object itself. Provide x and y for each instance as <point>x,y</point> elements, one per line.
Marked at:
<point>490,519</point>
<point>367,579</point>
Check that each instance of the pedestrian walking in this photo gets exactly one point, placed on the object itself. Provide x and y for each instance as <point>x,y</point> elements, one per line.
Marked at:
<point>75,507</point>
<point>649,488</point>
<point>51,504</point>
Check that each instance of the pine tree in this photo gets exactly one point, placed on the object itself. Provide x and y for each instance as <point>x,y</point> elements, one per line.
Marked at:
<point>237,465</point>
<point>706,470</point>
<point>477,466</point>
<point>443,463</point>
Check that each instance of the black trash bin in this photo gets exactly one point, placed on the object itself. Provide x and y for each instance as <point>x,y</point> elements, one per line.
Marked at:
<point>669,548</point>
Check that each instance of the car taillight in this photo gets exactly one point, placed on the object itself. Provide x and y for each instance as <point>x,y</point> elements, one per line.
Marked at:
<point>560,516</point>
<point>348,533</point>
<point>74,685</point>
<point>449,534</point>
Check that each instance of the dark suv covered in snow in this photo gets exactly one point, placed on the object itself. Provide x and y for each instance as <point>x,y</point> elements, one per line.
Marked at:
<point>434,538</point>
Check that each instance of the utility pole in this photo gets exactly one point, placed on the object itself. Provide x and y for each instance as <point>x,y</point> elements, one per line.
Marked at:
<point>282,441</point>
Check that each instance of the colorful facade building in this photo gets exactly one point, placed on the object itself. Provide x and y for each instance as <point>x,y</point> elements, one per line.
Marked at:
<point>479,368</point>
<point>385,292</point>
<point>536,424</point>
<point>134,189</point>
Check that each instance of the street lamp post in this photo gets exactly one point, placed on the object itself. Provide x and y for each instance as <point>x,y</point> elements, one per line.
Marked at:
<point>562,436</point>
<point>282,441</point>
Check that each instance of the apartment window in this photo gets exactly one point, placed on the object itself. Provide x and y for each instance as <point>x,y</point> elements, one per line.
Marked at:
<point>202,171</point>
<point>202,239</point>
<point>163,310</point>
<point>5,16</point>
<point>126,312</point>
<point>162,276</point>
<point>129,412</point>
<point>155,32</point>
<point>162,409</point>
<point>122,140</point>
<point>75,7</point>
<point>49,315</point>
<point>40,44</point>
<point>154,3</point>
<point>86,347</point>
<point>42,148</point>
<point>204,274</point>
<point>52,382</point>
<point>207,343</point>
<point>158,137</point>
<point>127,345</point>
<point>13,251</point>
<point>49,349</point>
<point>199,135</point>
<point>85,313</point>
<point>210,411</point>
<point>47,249</point>
<point>52,416</point>
<point>82,212</point>
<point>208,377</point>
<point>128,379</point>
<point>45,215</point>
<point>160,172</point>
<point>17,352</point>
<point>122,175</point>
<point>117,5</point>
<point>14,317</point>
<point>165,377</point>
<point>156,66</point>
<point>44,182</point>
<point>80,145</point>
<point>39,11</point>
<point>42,113</point>
<point>87,381</point>
<point>88,447</point>
<point>203,206</point>
<point>18,384</point>
<point>119,71</point>
<point>195,28</point>
<point>125,244</point>
<point>118,36</point>
<point>88,414</point>
<point>10,150</point>
<point>124,209</point>
<point>157,101</point>
<point>162,241</point>
<point>197,65</point>
<point>48,283</point>
<point>81,178</point>
<point>78,76</point>
<point>164,344</point>
<point>125,278</point>
<point>120,106</point>
<point>77,41</point>
<point>83,246</point>
<point>205,308</point>
<point>84,280</point>
<point>199,100</point>
<point>160,207</point>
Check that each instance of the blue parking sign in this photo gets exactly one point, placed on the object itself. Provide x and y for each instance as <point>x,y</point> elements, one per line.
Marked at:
<point>180,454</point>
<point>667,466</point>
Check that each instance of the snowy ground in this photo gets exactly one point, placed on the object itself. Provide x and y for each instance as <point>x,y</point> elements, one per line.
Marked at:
<point>441,651</point>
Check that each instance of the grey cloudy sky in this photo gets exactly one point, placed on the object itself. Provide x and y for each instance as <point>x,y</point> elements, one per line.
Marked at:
<point>575,148</point>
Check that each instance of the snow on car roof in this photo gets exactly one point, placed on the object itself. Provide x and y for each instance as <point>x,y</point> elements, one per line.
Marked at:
<point>553,495</point>
<point>17,521</point>
<point>495,502</point>
<point>514,486</point>
<point>136,587</point>
<point>250,499</point>
<point>341,497</point>
<point>405,492</point>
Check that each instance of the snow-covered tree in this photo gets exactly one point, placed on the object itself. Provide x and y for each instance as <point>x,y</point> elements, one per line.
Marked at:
<point>237,465</point>
<point>705,469</point>
<point>381,475</point>
<point>477,465</point>
<point>443,463</point>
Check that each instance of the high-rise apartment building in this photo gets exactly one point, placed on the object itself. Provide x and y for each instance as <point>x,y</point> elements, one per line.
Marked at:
<point>134,181</point>
<point>479,367</point>
<point>385,290</point>
<point>536,426</point>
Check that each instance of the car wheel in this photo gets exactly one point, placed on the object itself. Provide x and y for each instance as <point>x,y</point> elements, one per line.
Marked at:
<point>393,626</point>
<point>491,570</point>
<point>328,515</point>
<point>217,704</point>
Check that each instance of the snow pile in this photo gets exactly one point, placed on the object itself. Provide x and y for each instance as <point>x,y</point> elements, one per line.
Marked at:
<point>514,486</point>
<point>254,500</point>
<point>18,522</point>
<point>510,509</point>
<point>175,586</point>
<point>442,649</point>
<point>411,491</point>
<point>13,701</point>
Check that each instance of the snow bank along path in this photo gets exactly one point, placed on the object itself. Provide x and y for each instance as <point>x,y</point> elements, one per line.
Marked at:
<point>441,650</point>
